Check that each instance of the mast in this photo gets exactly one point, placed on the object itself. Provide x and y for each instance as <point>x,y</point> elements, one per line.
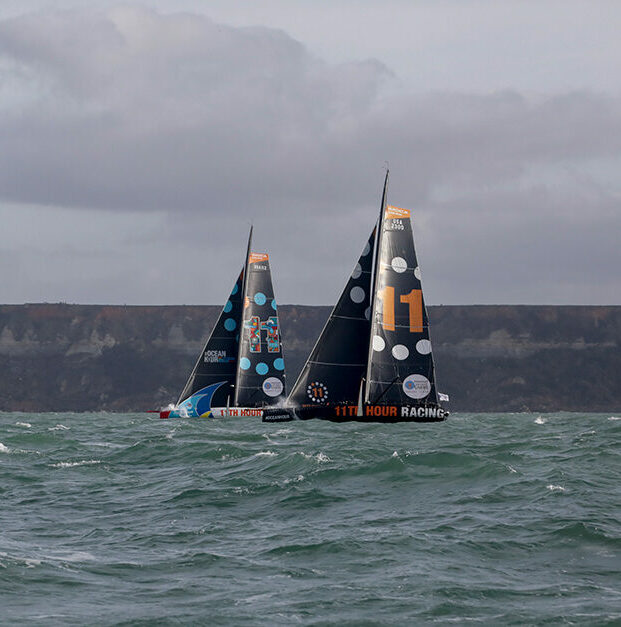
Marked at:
<point>377,253</point>
<point>241,318</point>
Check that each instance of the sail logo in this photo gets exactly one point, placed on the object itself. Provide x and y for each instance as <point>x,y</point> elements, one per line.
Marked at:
<point>255,325</point>
<point>416,386</point>
<point>396,212</point>
<point>317,392</point>
<point>217,357</point>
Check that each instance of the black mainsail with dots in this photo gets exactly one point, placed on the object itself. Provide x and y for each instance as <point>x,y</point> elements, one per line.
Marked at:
<point>241,366</point>
<point>373,359</point>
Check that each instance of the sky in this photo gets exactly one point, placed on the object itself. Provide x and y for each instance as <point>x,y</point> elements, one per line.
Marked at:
<point>140,140</point>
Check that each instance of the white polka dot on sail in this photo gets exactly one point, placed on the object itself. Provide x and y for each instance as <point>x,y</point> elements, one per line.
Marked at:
<point>378,343</point>
<point>367,313</point>
<point>357,271</point>
<point>423,347</point>
<point>400,352</point>
<point>417,272</point>
<point>357,294</point>
<point>399,264</point>
<point>367,250</point>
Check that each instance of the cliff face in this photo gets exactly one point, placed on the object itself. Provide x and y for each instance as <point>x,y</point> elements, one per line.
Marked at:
<point>489,358</point>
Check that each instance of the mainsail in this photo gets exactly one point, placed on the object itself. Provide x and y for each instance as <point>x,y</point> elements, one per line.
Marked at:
<point>400,367</point>
<point>261,371</point>
<point>336,366</point>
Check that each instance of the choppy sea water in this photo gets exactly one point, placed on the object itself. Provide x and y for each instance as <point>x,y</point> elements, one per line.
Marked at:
<point>488,518</point>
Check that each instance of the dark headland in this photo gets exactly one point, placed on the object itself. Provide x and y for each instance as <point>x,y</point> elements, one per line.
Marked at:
<point>59,357</point>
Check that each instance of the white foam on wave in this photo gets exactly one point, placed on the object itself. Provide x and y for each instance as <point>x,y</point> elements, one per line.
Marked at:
<point>555,488</point>
<point>614,418</point>
<point>294,480</point>
<point>283,431</point>
<point>58,427</point>
<point>320,457</point>
<point>23,424</point>
<point>4,449</point>
<point>540,421</point>
<point>265,454</point>
<point>84,462</point>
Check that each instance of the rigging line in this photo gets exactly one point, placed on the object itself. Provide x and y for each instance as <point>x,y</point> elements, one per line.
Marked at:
<point>379,398</point>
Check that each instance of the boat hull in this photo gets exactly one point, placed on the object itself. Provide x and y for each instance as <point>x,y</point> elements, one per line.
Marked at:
<point>216,412</point>
<point>349,413</point>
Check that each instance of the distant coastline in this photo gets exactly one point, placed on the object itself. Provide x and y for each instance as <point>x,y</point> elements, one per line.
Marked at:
<point>64,357</point>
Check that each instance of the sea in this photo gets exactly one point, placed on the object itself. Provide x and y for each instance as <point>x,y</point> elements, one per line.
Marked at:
<point>492,519</point>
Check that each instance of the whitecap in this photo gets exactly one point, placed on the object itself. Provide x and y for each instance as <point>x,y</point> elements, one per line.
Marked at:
<point>540,421</point>
<point>23,424</point>
<point>322,457</point>
<point>295,480</point>
<point>614,418</point>
<point>58,427</point>
<point>395,454</point>
<point>84,462</point>
<point>555,488</point>
<point>265,454</point>
<point>4,449</point>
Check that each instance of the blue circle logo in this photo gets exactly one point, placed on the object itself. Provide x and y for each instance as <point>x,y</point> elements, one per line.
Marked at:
<point>260,298</point>
<point>230,324</point>
<point>279,363</point>
<point>228,306</point>
<point>244,363</point>
<point>261,368</point>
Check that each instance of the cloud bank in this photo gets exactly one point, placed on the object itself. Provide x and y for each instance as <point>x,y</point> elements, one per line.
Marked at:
<point>127,111</point>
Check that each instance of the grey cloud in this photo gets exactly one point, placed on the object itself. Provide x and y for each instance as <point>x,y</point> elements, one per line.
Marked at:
<point>128,110</point>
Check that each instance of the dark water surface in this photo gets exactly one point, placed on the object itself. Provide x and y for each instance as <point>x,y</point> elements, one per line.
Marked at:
<point>487,518</point>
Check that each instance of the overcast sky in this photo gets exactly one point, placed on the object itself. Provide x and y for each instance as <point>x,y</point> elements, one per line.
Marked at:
<point>138,144</point>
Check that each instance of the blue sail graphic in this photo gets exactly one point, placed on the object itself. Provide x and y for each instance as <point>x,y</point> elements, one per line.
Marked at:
<point>197,405</point>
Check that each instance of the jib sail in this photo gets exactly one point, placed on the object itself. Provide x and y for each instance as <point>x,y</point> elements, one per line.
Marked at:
<point>336,366</point>
<point>217,362</point>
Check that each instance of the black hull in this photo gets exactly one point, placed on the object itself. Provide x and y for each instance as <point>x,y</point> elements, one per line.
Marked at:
<point>348,413</point>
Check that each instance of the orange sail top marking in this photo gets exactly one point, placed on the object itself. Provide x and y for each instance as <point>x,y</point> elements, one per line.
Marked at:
<point>396,212</point>
<point>257,257</point>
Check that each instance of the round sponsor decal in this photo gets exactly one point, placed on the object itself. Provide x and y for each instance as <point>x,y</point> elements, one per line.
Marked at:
<point>260,298</point>
<point>416,386</point>
<point>367,249</point>
<point>272,386</point>
<point>230,324</point>
<point>244,363</point>
<point>417,272</point>
<point>317,392</point>
<point>261,368</point>
<point>357,271</point>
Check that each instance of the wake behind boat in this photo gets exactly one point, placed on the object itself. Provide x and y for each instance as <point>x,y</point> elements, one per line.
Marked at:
<point>373,359</point>
<point>241,369</point>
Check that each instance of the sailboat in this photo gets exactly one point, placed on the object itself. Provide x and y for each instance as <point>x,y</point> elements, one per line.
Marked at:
<point>241,368</point>
<point>373,360</point>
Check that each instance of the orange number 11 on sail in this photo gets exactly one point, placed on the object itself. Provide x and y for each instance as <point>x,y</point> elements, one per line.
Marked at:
<point>415,302</point>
